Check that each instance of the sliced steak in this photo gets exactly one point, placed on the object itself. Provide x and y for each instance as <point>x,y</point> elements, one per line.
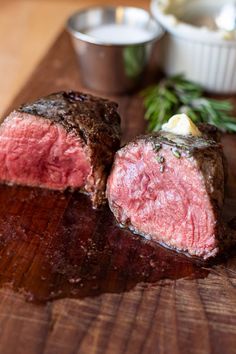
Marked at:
<point>67,139</point>
<point>210,131</point>
<point>170,188</point>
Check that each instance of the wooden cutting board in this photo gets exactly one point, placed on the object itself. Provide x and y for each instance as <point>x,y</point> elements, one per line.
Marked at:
<point>111,292</point>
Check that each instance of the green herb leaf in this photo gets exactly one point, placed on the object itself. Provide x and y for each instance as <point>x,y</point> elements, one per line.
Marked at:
<point>178,95</point>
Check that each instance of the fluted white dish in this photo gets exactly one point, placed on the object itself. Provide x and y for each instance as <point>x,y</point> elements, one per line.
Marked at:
<point>205,56</point>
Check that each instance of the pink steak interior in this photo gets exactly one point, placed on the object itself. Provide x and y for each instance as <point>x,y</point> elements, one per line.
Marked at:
<point>35,152</point>
<point>170,206</point>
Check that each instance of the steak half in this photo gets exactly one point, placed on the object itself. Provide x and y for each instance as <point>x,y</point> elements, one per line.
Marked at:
<point>67,139</point>
<point>170,188</point>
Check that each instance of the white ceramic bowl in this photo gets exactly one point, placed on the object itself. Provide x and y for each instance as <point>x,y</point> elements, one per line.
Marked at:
<point>207,57</point>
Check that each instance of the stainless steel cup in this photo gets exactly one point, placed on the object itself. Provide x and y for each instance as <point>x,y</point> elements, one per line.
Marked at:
<point>109,67</point>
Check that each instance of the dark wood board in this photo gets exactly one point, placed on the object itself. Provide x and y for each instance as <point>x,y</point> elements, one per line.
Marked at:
<point>113,292</point>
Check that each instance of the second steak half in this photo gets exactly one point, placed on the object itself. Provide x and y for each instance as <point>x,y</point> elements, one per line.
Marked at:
<point>170,188</point>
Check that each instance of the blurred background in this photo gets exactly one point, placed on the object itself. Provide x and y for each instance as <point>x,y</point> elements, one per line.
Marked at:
<point>27,30</point>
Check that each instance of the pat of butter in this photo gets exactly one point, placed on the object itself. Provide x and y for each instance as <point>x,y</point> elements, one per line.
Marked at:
<point>181,124</point>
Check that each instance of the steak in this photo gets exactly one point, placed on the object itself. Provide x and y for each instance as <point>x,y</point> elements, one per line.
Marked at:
<point>170,188</point>
<point>64,140</point>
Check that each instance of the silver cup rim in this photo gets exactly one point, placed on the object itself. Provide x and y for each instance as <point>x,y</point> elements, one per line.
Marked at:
<point>92,40</point>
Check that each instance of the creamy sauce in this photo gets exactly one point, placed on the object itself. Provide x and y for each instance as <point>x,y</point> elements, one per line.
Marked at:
<point>200,20</point>
<point>181,124</point>
<point>120,34</point>
<point>209,15</point>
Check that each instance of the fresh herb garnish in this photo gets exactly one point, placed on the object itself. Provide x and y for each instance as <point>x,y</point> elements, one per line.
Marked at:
<point>177,95</point>
<point>176,153</point>
<point>160,159</point>
<point>162,168</point>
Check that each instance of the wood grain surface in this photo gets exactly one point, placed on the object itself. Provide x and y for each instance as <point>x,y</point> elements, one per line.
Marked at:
<point>112,292</point>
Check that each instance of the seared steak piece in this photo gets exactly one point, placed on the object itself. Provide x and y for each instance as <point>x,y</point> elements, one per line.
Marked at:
<point>67,139</point>
<point>210,131</point>
<point>170,188</point>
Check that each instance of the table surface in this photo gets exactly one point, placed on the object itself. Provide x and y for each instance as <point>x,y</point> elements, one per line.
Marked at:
<point>196,313</point>
<point>27,30</point>
<point>135,297</point>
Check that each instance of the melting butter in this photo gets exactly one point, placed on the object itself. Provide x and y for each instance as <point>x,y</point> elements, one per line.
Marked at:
<point>181,124</point>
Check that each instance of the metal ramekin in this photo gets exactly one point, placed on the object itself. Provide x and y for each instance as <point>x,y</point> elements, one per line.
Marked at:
<point>205,56</point>
<point>111,68</point>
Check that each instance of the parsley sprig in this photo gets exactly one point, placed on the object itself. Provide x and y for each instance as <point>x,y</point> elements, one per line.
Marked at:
<point>177,95</point>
